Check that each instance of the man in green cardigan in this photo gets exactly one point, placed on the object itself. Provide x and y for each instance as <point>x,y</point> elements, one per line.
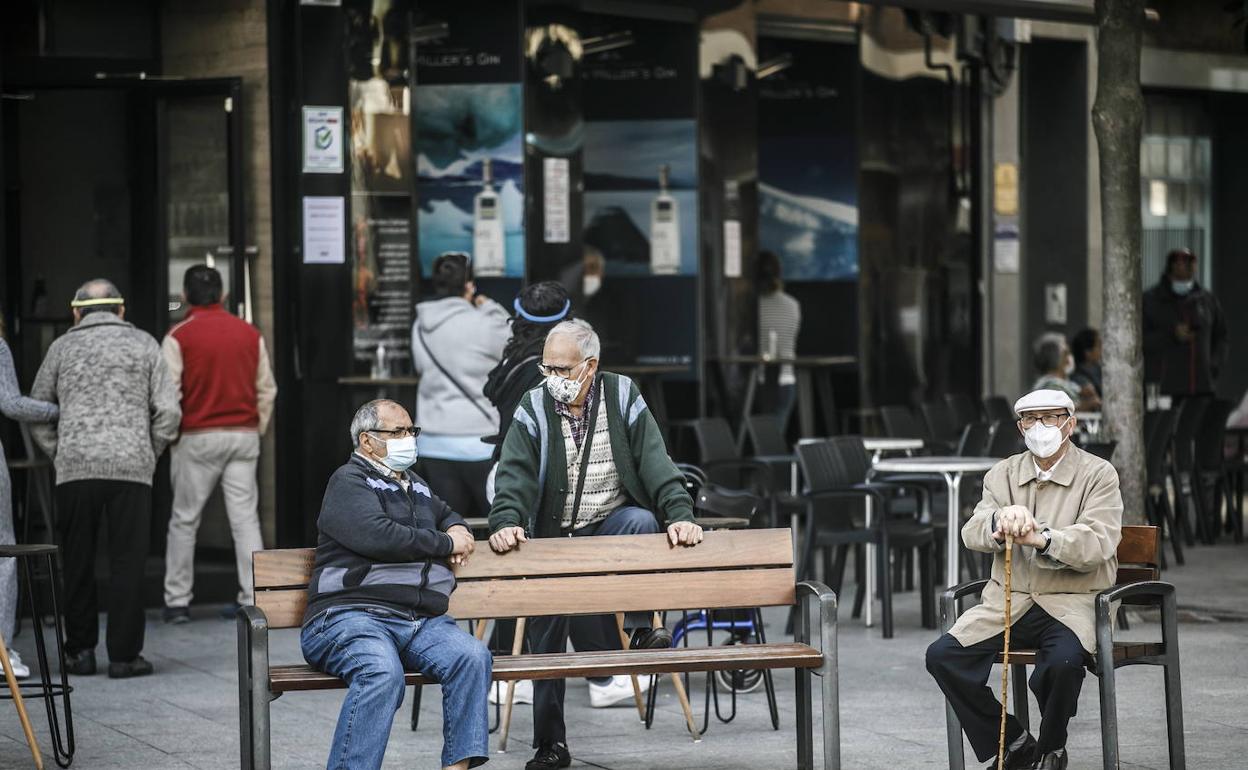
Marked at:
<point>583,456</point>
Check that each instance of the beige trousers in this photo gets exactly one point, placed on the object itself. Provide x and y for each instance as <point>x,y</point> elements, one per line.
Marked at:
<point>199,462</point>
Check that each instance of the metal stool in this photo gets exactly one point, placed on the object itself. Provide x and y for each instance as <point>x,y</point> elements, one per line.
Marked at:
<point>62,745</point>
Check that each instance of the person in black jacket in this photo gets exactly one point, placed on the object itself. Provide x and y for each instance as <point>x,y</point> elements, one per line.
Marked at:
<point>539,308</point>
<point>1185,341</point>
<point>381,583</point>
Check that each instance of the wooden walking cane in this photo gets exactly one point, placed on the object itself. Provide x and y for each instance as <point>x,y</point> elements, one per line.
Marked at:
<point>1005,653</point>
<point>21,706</point>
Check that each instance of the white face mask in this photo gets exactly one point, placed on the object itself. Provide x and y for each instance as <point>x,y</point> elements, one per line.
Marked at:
<point>400,453</point>
<point>1043,441</point>
<point>591,284</point>
<point>565,389</point>
<point>1070,366</point>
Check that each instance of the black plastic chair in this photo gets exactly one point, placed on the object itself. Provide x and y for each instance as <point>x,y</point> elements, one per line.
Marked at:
<point>974,440</point>
<point>965,411</point>
<point>941,423</point>
<point>1102,449</point>
<point>833,520</point>
<point>1191,411</point>
<point>720,459</point>
<point>997,408</point>
<point>900,422</point>
<point>1209,471</point>
<point>1006,441</point>
<point>1158,431</point>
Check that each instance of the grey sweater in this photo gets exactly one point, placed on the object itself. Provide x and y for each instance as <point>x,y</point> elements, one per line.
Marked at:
<point>119,409</point>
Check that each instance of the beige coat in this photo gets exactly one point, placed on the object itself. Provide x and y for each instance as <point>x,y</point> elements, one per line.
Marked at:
<point>1082,509</point>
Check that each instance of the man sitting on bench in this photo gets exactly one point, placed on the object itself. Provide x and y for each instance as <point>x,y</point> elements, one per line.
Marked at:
<point>583,456</point>
<point>378,596</point>
<point>1063,507</point>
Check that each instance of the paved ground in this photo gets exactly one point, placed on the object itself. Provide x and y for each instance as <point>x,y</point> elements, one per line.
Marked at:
<point>891,713</point>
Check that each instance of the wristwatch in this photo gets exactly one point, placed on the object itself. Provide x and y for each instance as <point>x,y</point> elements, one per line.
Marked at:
<point>1048,541</point>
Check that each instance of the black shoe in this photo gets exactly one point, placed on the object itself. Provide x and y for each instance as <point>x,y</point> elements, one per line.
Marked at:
<point>176,616</point>
<point>230,610</point>
<point>1051,760</point>
<point>1019,755</point>
<point>549,756</point>
<point>127,669</point>
<point>80,663</point>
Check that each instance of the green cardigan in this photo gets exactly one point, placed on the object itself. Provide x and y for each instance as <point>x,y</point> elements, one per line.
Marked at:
<point>531,483</point>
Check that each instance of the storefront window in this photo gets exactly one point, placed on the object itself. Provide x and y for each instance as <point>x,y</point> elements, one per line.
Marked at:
<point>382,186</point>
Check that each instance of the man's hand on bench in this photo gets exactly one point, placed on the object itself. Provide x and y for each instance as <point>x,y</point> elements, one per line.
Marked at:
<point>507,538</point>
<point>684,533</point>
<point>464,542</point>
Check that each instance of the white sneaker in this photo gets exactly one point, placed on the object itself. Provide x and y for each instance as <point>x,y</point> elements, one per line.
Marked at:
<point>620,688</point>
<point>20,669</point>
<point>523,693</point>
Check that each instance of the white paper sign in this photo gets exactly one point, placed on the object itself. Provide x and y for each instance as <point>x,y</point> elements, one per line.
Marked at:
<point>324,230</point>
<point>322,140</point>
<point>732,248</point>
<point>1005,249</point>
<point>556,209</point>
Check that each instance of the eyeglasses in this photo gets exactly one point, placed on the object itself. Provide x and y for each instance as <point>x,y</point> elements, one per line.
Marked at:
<point>406,430</point>
<point>1048,420</point>
<point>559,371</point>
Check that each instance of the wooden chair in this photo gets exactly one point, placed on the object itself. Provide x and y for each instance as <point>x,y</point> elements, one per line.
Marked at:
<point>578,576</point>
<point>1138,584</point>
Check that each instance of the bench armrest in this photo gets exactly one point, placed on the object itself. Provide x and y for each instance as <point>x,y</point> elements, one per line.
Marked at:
<point>1162,592</point>
<point>811,592</point>
<point>950,596</point>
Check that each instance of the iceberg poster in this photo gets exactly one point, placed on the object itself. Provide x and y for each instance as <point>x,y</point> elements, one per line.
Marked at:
<point>641,184</point>
<point>808,160</point>
<point>468,142</point>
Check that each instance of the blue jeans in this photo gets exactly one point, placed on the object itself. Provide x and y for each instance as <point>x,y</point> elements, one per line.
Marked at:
<point>550,634</point>
<point>370,649</point>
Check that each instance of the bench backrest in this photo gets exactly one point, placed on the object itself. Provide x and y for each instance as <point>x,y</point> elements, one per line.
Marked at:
<point>1139,554</point>
<point>579,576</point>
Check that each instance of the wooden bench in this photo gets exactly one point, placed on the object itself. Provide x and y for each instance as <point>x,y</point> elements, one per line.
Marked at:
<point>579,576</point>
<point>1139,553</point>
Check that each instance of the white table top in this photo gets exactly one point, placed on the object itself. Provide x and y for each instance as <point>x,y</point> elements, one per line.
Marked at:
<point>891,444</point>
<point>936,464</point>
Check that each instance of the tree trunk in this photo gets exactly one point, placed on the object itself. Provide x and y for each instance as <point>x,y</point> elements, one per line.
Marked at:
<point>1117,117</point>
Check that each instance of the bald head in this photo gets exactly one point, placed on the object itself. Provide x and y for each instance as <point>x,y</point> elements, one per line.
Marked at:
<point>99,295</point>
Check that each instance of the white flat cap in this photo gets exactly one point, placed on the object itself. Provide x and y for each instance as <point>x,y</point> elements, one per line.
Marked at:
<point>1038,400</point>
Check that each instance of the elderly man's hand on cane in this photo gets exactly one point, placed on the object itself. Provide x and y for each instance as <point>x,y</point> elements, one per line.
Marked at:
<point>1017,522</point>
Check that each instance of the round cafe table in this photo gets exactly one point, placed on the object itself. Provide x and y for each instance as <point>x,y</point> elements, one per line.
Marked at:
<point>877,446</point>
<point>951,469</point>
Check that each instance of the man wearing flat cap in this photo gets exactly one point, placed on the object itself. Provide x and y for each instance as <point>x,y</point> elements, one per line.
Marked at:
<point>1063,507</point>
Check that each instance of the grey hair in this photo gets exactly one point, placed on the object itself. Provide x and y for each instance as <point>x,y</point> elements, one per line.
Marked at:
<point>98,288</point>
<point>367,418</point>
<point>1047,352</point>
<point>584,334</point>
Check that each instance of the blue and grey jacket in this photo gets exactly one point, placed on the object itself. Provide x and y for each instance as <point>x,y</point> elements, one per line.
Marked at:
<point>380,546</point>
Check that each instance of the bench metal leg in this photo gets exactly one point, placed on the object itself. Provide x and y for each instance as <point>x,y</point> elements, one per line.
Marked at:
<point>1174,690</point>
<point>1018,676</point>
<point>253,689</point>
<point>811,593</point>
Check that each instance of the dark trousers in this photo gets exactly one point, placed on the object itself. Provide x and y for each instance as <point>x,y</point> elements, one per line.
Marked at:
<point>597,632</point>
<point>125,508</point>
<point>460,483</point>
<point>962,673</point>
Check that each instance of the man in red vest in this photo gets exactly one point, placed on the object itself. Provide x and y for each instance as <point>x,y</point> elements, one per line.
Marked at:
<point>221,368</point>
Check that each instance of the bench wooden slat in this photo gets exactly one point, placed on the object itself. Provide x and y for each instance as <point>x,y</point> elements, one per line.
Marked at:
<point>549,557</point>
<point>585,595</point>
<point>582,664</point>
<point>1122,651</point>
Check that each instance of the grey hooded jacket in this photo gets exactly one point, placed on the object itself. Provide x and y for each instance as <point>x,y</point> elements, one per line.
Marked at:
<point>119,409</point>
<point>468,342</point>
